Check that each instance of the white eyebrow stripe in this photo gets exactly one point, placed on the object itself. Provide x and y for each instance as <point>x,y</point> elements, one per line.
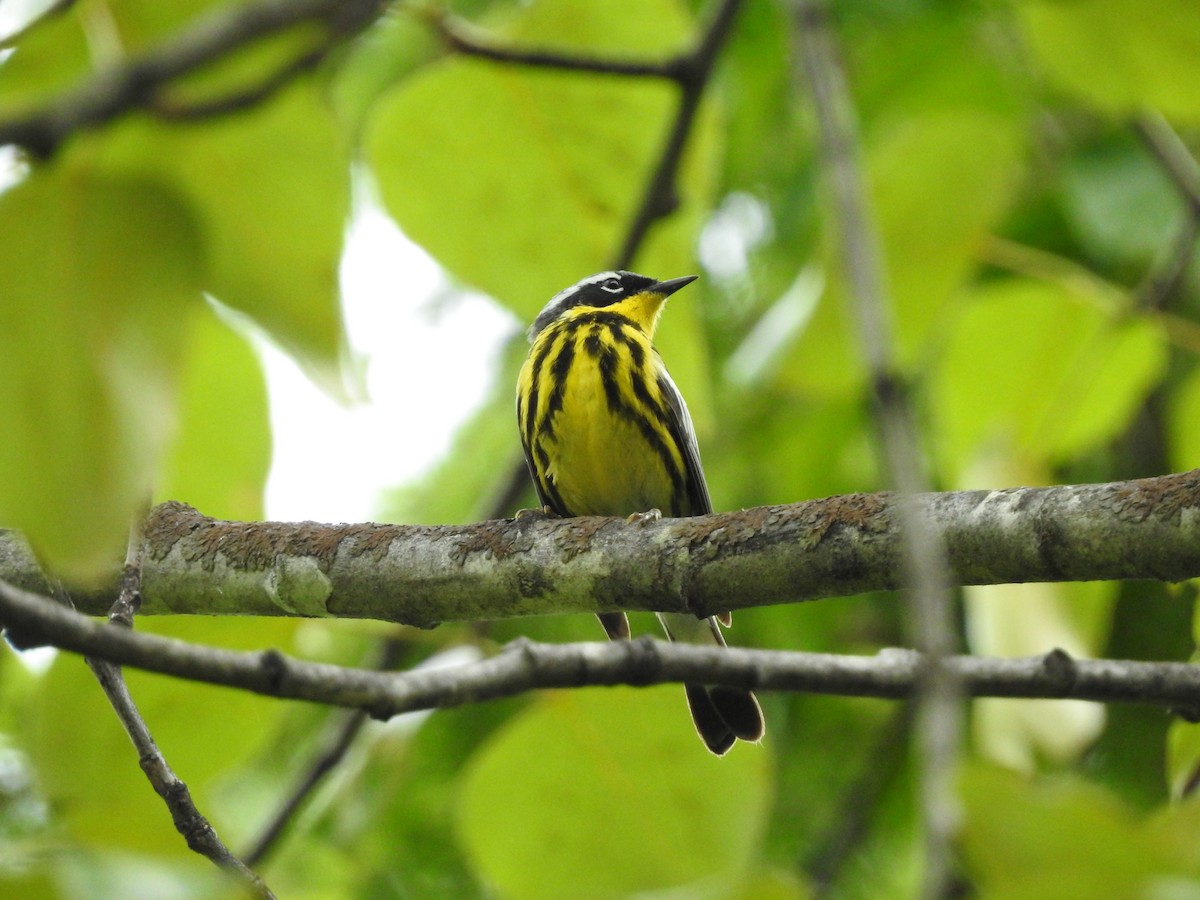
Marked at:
<point>591,279</point>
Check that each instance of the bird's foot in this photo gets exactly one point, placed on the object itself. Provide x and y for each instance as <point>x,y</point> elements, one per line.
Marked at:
<point>641,518</point>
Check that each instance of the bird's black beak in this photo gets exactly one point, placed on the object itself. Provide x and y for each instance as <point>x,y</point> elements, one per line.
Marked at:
<point>667,288</point>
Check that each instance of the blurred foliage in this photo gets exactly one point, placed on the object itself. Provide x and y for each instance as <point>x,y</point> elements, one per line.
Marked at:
<point>1022,219</point>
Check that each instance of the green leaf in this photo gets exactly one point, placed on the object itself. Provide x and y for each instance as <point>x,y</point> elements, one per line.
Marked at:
<point>137,24</point>
<point>938,183</point>
<point>1012,620</point>
<point>52,57</point>
<point>1061,374</point>
<point>605,793</point>
<point>85,788</point>
<point>391,49</point>
<point>539,171</point>
<point>459,489</point>
<point>1183,758</point>
<point>271,193</point>
<point>772,150</point>
<point>219,460</point>
<point>1120,55</point>
<point>274,192</point>
<point>397,819</point>
<point>1061,837</point>
<point>1183,414</point>
<point>97,274</point>
<point>1120,203</point>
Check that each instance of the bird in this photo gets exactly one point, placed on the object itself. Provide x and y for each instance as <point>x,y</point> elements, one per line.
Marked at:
<point>607,433</point>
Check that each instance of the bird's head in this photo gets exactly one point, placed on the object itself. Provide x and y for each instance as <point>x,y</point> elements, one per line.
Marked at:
<point>636,297</point>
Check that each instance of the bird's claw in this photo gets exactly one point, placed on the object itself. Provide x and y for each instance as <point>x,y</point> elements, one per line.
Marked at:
<point>641,518</point>
<point>542,512</point>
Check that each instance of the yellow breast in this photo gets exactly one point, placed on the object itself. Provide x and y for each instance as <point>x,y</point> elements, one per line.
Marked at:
<point>597,442</point>
<point>602,463</point>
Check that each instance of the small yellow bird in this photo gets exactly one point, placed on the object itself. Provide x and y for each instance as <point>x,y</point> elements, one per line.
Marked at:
<point>606,433</point>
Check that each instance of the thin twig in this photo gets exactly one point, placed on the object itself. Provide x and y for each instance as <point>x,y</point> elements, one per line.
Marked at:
<point>136,82</point>
<point>524,665</point>
<point>1172,153</point>
<point>172,109</point>
<point>939,706</point>
<point>1077,280</point>
<point>188,820</point>
<point>460,37</point>
<point>1165,278</point>
<point>342,737</point>
<point>1084,285</point>
<point>860,801</point>
<point>660,197</point>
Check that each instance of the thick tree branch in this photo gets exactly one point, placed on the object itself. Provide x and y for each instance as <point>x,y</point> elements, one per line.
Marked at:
<point>524,665</point>
<point>424,575</point>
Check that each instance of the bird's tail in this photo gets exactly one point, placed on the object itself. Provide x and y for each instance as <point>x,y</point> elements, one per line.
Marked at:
<point>721,715</point>
<point>616,625</point>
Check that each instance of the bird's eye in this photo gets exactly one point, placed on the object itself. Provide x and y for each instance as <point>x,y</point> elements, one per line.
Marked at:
<point>613,286</point>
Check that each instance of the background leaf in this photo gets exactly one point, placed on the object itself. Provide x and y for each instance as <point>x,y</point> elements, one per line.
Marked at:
<point>91,356</point>
<point>220,456</point>
<point>671,816</point>
<point>1118,54</point>
<point>1042,297</point>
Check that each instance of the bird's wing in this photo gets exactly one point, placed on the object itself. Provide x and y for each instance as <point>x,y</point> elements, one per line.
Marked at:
<point>679,422</point>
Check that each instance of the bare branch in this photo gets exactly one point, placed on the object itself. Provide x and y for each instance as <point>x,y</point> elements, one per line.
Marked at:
<point>930,616</point>
<point>1177,161</point>
<point>691,71</point>
<point>524,666</point>
<point>1166,276</point>
<point>850,826</point>
<point>172,109</point>
<point>460,37</point>
<point>342,737</point>
<point>424,575</point>
<point>137,82</point>
<point>694,70</point>
<point>188,820</point>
